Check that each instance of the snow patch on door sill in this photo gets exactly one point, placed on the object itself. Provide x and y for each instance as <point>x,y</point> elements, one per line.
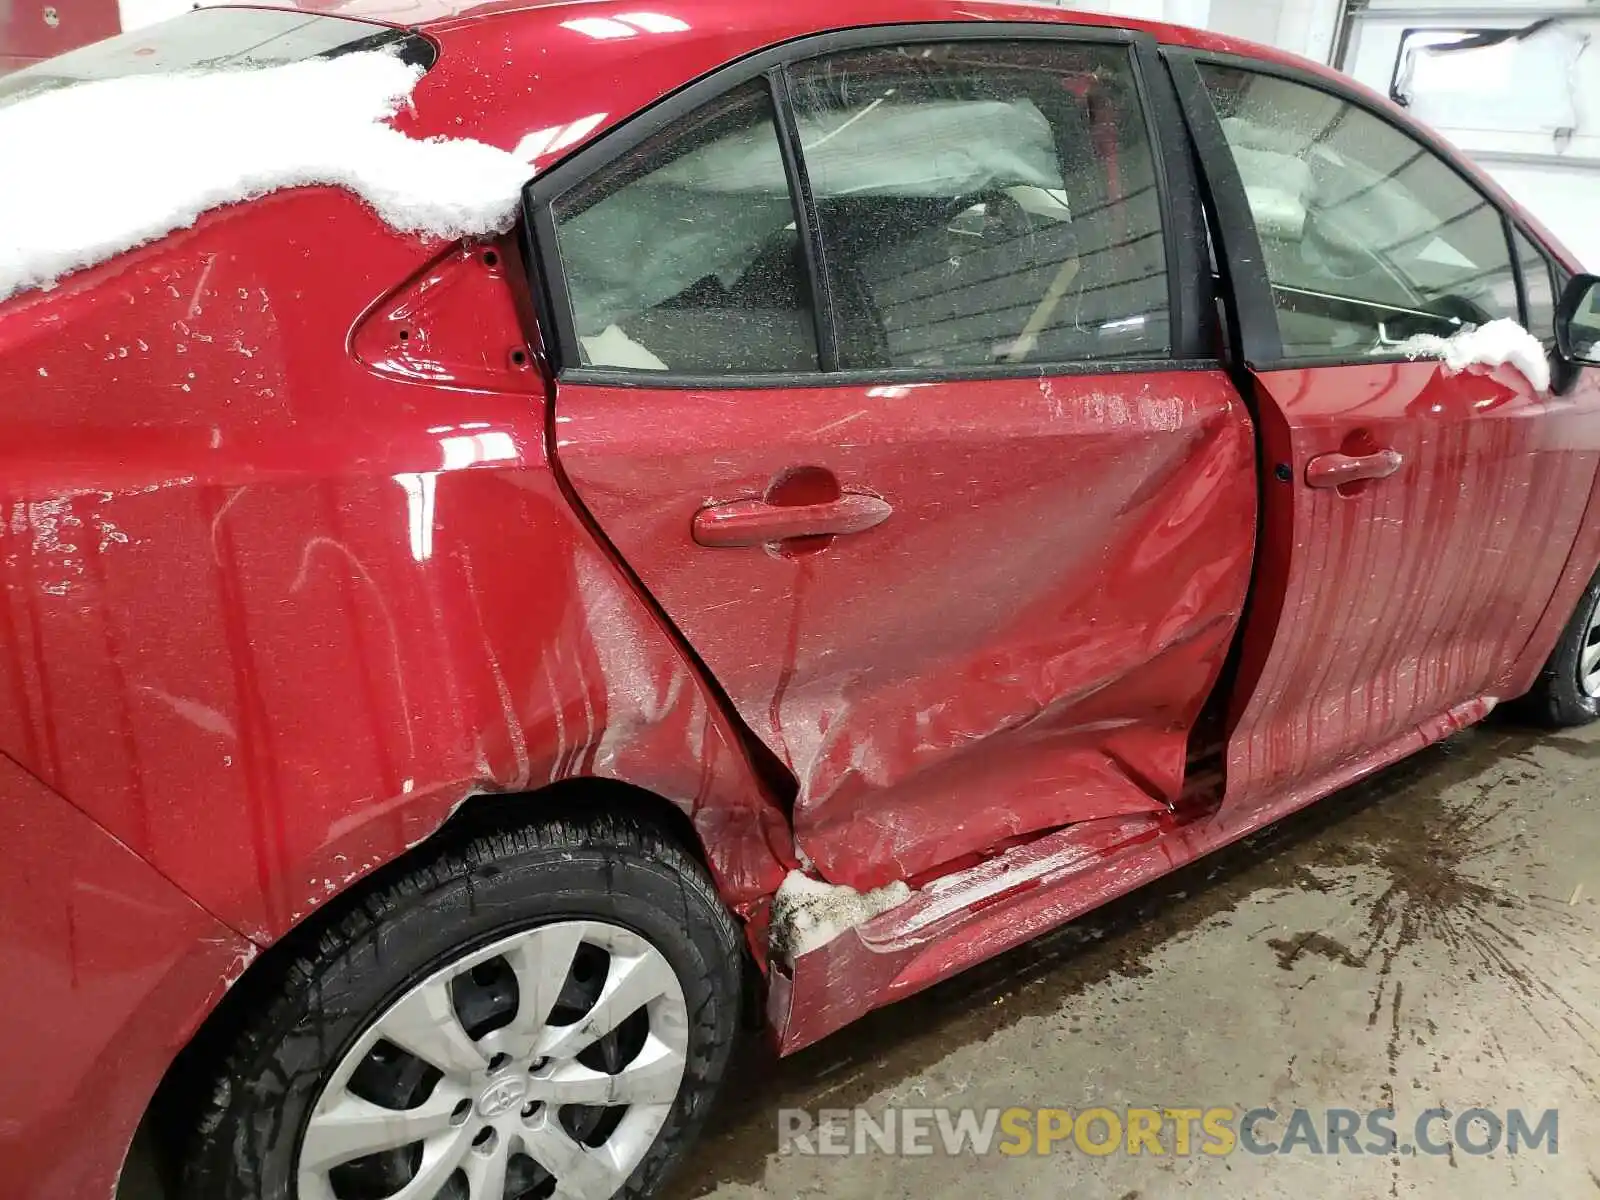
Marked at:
<point>1499,343</point>
<point>808,913</point>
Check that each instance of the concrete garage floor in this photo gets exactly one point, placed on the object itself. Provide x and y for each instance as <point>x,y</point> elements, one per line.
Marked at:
<point>1411,941</point>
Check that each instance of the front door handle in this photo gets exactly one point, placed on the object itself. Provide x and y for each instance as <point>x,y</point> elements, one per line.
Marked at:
<point>756,522</point>
<point>1332,470</point>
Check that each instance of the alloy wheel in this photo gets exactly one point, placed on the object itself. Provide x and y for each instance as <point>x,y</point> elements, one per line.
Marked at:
<point>1589,656</point>
<point>542,1065</point>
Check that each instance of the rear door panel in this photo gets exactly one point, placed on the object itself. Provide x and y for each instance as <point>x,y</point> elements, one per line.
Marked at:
<point>1024,643</point>
<point>1055,540</point>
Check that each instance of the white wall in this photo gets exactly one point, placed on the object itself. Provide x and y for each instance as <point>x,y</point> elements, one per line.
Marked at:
<point>1299,26</point>
<point>1302,26</point>
<point>147,12</point>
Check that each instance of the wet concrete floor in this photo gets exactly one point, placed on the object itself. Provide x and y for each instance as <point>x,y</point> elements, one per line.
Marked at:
<point>1426,939</point>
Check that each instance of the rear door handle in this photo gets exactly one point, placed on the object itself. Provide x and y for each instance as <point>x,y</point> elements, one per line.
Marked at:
<point>1331,470</point>
<point>756,522</point>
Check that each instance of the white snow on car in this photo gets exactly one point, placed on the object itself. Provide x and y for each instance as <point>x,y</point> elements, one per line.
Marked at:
<point>100,167</point>
<point>1498,343</point>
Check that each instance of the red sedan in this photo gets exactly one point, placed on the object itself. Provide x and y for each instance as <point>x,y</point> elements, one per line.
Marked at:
<point>910,472</point>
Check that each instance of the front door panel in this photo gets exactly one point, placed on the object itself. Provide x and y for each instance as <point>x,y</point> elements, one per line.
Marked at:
<point>1416,515</point>
<point>1023,642</point>
<point>1384,602</point>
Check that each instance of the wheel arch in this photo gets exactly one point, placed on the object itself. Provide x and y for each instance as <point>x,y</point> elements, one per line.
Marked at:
<point>183,1088</point>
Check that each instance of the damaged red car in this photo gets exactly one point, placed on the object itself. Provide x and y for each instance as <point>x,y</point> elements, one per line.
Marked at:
<point>906,474</point>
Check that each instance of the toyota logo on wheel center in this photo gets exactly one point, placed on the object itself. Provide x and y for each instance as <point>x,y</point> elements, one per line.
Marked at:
<point>500,1096</point>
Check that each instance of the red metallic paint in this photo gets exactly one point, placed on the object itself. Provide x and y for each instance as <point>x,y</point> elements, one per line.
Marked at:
<point>785,528</point>
<point>1031,889</point>
<point>106,970</point>
<point>30,31</point>
<point>1385,601</point>
<point>269,615</point>
<point>430,330</point>
<point>1581,562</point>
<point>1024,643</point>
<point>283,587</point>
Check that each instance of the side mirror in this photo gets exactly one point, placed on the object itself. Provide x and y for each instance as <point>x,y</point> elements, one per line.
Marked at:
<point>1578,321</point>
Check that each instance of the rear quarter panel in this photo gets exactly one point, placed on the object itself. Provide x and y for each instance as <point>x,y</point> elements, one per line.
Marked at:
<point>105,970</point>
<point>31,30</point>
<point>269,614</point>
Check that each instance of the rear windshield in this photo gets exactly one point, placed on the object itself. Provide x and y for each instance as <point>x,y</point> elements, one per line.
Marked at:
<point>210,39</point>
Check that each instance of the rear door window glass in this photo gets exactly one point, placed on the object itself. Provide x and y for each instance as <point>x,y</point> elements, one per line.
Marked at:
<point>984,203</point>
<point>683,255</point>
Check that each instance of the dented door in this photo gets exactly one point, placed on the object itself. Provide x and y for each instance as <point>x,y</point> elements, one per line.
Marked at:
<point>964,581</point>
<point>1022,643</point>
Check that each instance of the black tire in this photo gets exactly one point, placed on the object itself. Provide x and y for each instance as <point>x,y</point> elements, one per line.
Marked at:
<point>602,868</point>
<point>1557,699</point>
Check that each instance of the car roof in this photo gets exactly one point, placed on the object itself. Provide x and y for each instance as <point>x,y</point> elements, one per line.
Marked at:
<point>820,16</point>
<point>543,79</point>
<point>826,14</point>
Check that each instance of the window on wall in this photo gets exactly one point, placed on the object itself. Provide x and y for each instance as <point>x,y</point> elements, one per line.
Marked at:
<point>683,254</point>
<point>1511,80</point>
<point>984,203</point>
<point>1369,237</point>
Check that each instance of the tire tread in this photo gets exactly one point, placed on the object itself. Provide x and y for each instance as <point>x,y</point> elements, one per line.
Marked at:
<point>293,987</point>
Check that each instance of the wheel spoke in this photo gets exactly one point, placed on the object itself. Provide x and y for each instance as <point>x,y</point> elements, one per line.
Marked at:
<point>486,1173</point>
<point>652,1077</point>
<point>1590,659</point>
<point>354,1127</point>
<point>580,1173</point>
<point>472,1103</point>
<point>632,982</point>
<point>440,1158</point>
<point>541,964</point>
<point>425,1024</point>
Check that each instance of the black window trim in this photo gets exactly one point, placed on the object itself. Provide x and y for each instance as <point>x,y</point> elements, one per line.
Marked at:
<point>1263,348</point>
<point>1245,287</point>
<point>1188,306</point>
<point>1191,299</point>
<point>819,285</point>
<point>1507,230</point>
